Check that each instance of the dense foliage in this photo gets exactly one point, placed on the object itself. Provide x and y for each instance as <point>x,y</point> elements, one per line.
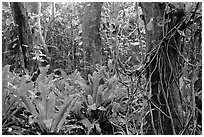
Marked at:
<point>115,100</point>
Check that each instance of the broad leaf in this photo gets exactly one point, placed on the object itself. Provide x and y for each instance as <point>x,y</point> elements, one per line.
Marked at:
<point>95,81</point>
<point>77,108</point>
<point>99,99</point>
<point>48,123</point>
<point>90,100</point>
<point>86,123</point>
<point>66,108</point>
<point>51,105</point>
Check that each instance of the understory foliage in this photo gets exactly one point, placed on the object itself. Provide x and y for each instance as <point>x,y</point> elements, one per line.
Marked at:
<point>65,104</point>
<point>116,99</point>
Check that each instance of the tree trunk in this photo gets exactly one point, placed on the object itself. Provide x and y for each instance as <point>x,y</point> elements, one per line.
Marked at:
<point>50,22</point>
<point>90,32</point>
<point>39,39</point>
<point>25,37</point>
<point>74,59</point>
<point>163,40</point>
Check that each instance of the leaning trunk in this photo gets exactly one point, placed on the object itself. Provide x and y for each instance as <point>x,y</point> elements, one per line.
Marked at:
<point>25,37</point>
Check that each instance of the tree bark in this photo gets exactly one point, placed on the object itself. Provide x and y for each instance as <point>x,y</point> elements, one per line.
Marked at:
<point>25,37</point>
<point>163,40</point>
<point>90,32</point>
<point>39,39</point>
<point>49,24</point>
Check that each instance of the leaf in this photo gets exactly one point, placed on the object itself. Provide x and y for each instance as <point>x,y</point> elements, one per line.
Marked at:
<point>41,109</point>
<point>82,84</point>
<point>84,101</point>
<point>43,89</point>
<point>92,107</point>
<point>98,127</point>
<point>4,98</point>
<point>25,45</point>
<point>90,78</point>
<point>95,126</point>
<point>111,87</point>
<point>113,79</point>
<point>48,123</point>
<point>189,7</point>
<point>50,78</point>
<point>90,100</point>
<point>147,59</point>
<point>14,45</point>
<point>51,103</point>
<point>5,6</point>
<point>102,108</point>
<point>182,33</point>
<point>137,43</point>
<point>31,119</point>
<point>65,109</point>
<point>80,43</point>
<point>150,24</point>
<point>5,75</point>
<point>24,87</point>
<point>9,104</point>
<point>99,99</point>
<point>43,73</point>
<point>121,120</point>
<point>115,107</point>
<point>66,114</point>
<point>42,125</point>
<point>77,108</point>
<point>86,123</point>
<point>30,107</point>
<point>64,74</point>
<point>110,64</point>
<point>194,78</point>
<point>7,53</point>
<point>77,54</point>
<point>22,93</point>
<point>95,80</point>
